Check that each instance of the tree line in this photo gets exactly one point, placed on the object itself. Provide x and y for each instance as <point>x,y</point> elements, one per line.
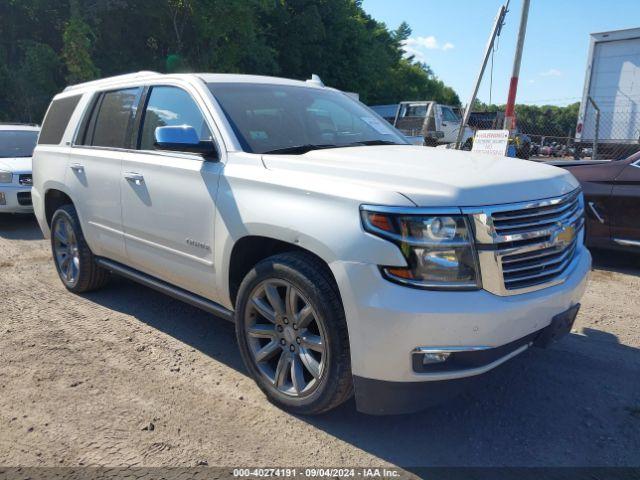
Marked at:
<point>48,44</point>
<point>546,120</point>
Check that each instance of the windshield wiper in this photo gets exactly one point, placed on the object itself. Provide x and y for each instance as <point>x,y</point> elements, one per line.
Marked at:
<point>372,142</point>
<point>299,149</point>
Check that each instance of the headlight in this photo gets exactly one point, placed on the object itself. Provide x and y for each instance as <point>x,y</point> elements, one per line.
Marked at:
<point>6,177</point>
<point>439,249</point>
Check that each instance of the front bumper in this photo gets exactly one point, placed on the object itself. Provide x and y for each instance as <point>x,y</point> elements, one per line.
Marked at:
<point>387,322</point>
<point>15,199</point>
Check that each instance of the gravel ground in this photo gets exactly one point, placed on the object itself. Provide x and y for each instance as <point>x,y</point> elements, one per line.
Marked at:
<point>129,377</point>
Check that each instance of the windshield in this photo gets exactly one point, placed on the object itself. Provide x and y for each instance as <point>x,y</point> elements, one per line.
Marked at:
<point>280,118</point>
<point>17,143</point>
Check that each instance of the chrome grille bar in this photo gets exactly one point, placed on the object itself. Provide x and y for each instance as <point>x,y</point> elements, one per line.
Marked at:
<point>528,246</point>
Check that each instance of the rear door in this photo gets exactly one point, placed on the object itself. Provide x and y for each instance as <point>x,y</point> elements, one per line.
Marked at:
<point>94,169</point>
<point>625,205</point>
<point>168,198</point>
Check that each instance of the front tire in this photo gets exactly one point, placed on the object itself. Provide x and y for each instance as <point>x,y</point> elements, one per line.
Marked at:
<point>73,258</point>
<point>292,334</point>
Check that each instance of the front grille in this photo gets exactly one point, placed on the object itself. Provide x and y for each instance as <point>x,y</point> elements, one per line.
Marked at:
<point>25,179</point>
<point>24,198</point>
<point>529,246</point>
<point>537,267</point>
<point>535,219</point>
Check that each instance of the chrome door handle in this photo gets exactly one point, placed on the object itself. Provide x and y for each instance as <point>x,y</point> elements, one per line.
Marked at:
<point>592,206</point>
<point>76,167</point>
<point>135,178</point>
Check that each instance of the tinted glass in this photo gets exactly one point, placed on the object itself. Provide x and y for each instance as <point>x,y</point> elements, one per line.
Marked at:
<point>270,117</point>
<point>55,123</point>
<point>114,117</point>
<point>17,143</point>
<point>171,106</point>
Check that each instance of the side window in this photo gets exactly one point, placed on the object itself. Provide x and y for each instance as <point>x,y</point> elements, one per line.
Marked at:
<point>55,123</point>
<point>111,119</point>
<point>416,111</point>
<point>449,116</point>
<point>170,106</point>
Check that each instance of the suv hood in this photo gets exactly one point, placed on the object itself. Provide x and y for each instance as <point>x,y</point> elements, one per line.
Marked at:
<point>16,164</point>
<point>433,177</point>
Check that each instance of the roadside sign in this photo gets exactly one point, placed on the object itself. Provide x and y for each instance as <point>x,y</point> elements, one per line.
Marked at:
<point>493,142</point>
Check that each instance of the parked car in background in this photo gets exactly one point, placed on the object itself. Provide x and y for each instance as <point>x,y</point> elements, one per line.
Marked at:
<point>388,112</point>
<point>17,142</point>
<point>426,122</point>
<point>612,198</point>
<point>349,260</point>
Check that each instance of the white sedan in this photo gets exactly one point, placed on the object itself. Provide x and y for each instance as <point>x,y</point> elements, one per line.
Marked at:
<point>17,142</point>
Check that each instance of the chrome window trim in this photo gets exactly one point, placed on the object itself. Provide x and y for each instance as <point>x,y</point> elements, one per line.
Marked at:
<point>636,163</point>
<point>196,96</point>
<point>164,153</point>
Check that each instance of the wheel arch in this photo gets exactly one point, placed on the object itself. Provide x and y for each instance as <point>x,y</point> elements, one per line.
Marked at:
<point>54,198</point>
<point>251,249</point>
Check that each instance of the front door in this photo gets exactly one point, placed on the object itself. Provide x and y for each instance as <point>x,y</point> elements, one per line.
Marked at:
<point>625,205</point>
<point>168,198</point>
<point>450,123</point>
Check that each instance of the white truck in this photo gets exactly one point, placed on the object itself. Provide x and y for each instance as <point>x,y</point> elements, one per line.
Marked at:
<point>426,122</point>
<point>612,86</point>
<point>348,259</point>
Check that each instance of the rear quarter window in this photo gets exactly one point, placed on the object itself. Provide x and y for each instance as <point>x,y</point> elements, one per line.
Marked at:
<point>56,120</point>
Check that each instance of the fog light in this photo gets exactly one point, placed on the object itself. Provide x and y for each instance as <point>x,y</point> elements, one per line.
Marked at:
<point>3,201</point>
<point>431,358</point>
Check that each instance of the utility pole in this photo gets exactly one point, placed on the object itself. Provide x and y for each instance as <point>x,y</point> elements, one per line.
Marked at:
<point>495,32</point>
<point>509,114</point>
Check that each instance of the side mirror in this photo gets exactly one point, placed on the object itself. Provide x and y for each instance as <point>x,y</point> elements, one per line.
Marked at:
<point>183,138</point>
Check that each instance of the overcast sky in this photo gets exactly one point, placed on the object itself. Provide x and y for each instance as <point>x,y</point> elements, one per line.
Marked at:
<point>450,36</point>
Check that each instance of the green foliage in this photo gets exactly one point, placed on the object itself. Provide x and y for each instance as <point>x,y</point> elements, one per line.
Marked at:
<point>547,120</point>
<point>76,52</point>
<point>45,45</point>
<point>36,79</point>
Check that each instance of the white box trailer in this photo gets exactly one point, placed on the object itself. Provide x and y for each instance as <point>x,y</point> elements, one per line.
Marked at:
<point>612,83</point>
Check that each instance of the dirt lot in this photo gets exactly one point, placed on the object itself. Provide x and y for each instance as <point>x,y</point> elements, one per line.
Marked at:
<point>127,376</point>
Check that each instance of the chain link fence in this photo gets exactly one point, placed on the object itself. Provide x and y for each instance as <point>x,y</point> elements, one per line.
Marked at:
<point>597,130</point>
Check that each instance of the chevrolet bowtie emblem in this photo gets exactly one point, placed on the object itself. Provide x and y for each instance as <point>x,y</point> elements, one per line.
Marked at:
<point>565,235</point>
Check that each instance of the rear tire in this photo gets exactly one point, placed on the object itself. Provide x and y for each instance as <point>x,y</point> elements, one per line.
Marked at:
<point>74,260</point>
<point>292,334</point>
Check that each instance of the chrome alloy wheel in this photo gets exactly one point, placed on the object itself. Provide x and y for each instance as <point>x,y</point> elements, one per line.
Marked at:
<point>286,337</point>
<point>65,249</point>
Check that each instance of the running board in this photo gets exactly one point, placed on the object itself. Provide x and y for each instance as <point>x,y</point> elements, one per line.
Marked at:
<point>166,288</point>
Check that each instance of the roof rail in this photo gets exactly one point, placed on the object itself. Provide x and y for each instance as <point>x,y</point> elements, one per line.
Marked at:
<point>101,81</point>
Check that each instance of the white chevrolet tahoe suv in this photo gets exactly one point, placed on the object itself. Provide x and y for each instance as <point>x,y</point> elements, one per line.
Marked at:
<point>17,142</point>
<point>349,260</point>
